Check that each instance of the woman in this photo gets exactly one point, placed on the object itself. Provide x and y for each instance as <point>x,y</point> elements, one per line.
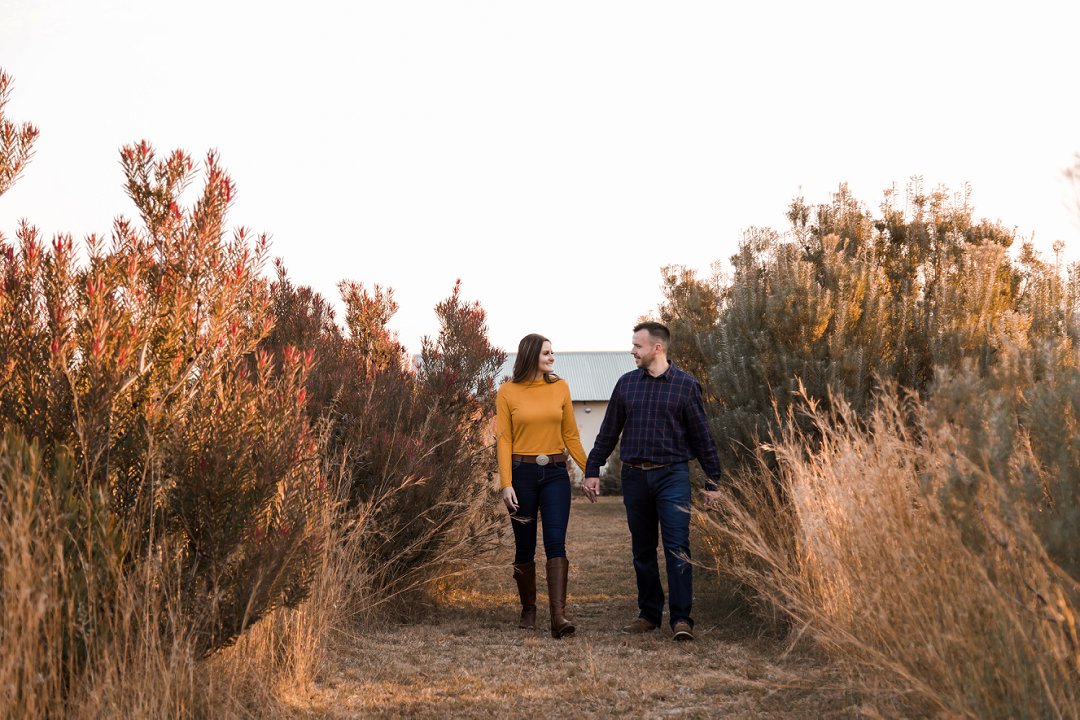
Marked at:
<point>536,428</point>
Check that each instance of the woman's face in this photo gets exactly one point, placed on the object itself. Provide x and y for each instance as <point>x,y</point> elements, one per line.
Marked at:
<point>547,358</point>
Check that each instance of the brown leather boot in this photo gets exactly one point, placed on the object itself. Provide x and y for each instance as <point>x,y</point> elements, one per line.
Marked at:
<point>557,569</point>
<point>525,575</point>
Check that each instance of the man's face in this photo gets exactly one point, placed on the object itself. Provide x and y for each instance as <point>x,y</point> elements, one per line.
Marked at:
<point>644,348</point>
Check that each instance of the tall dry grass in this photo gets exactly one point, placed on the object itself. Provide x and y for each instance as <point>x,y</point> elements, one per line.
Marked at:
<point>136,670</point>
<point>132,657</point>
<point>909,564</point>
<point>32,606</point>
<point>141,659</point>
<point>283,656</point>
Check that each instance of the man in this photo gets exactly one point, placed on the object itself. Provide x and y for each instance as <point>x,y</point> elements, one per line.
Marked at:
<point>659,412</point>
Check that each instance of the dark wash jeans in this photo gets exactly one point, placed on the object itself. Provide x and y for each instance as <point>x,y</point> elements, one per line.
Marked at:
<point>660,500</point>
<point>544,489</point>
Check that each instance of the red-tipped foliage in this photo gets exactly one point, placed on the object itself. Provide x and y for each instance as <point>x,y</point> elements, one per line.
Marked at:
<point>140,362</point>
<point>410,446</point>
<point>16,141</point>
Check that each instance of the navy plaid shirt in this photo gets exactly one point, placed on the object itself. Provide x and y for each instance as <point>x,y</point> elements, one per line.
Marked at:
<point>661,419</point>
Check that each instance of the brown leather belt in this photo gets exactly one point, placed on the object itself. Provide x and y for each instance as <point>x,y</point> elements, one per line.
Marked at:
<point>648,465</point>
<point>540,459</point>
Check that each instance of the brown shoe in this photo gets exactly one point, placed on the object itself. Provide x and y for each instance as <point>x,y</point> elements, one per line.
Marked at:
<point>682,631</point>
<point>525,575</point>
<point>557,569</point>
<point>639,627</point>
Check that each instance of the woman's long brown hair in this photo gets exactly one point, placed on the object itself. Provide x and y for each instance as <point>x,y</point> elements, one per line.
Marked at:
<point>528,359</point>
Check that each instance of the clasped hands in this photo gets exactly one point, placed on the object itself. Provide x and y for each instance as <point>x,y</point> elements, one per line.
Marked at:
<point>591,488</point>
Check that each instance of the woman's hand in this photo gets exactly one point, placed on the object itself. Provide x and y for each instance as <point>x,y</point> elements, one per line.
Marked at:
<point>510,498</point>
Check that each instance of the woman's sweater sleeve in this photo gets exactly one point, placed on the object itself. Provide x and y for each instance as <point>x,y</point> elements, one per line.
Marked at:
<point>571,438</point>
<point>504,437</point>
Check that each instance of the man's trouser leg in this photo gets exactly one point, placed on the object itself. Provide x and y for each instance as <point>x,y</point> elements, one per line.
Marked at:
<point>642,519</point>
<point>672,501</point>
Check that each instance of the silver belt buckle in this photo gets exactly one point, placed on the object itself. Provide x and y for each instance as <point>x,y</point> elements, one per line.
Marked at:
<point>542,459</point>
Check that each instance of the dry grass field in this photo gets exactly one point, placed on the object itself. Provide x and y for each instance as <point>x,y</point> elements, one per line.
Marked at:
<point>467,658</point>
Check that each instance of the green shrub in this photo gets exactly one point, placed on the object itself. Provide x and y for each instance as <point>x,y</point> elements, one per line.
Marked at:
<point>929,546</point>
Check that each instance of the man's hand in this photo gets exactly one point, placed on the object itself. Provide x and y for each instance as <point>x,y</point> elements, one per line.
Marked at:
<point>591,488</point>
<point>712,499</point>
<point>510,498</point>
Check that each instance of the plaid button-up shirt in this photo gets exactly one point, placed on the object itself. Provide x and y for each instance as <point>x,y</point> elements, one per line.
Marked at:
<point>661,420</point>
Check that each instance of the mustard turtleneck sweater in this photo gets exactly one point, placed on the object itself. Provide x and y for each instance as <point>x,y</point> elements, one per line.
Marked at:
<point>535,418</point>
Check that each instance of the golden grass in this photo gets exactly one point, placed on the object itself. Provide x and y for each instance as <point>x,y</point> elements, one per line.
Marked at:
<point>913,569</point>
<point>32,611</point>
<point>129,669</point>
<point>119,648</point>
<point>139,660</point>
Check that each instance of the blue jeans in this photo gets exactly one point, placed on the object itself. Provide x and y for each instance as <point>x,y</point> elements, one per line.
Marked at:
<point>660,500</point>
<point>543,489</point>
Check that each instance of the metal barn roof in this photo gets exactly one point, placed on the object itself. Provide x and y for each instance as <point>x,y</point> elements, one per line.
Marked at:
<point>591,375</point>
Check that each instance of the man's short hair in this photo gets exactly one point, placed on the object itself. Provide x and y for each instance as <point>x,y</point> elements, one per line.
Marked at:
<point>657,331</point>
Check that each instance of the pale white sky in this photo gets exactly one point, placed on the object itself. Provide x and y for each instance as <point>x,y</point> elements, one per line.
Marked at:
<point>552,155</point>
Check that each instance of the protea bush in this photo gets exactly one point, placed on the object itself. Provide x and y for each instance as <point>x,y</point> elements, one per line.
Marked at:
<point>406,440</point>
<point>173,459</point>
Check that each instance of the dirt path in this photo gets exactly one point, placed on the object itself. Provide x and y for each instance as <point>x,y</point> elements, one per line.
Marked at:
<point>469,660</point>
